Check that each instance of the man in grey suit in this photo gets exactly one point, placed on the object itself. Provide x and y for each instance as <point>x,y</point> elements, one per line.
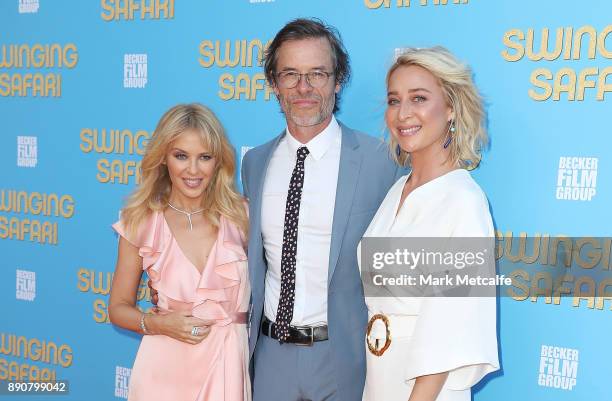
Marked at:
<point>312,192</point>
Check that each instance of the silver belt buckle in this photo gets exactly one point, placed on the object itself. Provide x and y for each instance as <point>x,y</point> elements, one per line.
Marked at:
<point>311,335</point>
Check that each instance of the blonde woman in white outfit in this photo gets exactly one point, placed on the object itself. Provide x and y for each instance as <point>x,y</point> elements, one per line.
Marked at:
<point>440,347</point>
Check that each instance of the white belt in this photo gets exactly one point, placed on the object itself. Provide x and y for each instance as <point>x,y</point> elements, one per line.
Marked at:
<point>383,328</point>
<point>399,326</point>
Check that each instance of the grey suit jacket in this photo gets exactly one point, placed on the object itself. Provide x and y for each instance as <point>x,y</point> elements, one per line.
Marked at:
<point>365,174</point>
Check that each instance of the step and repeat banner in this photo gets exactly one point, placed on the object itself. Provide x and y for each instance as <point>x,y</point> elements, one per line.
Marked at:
<point>83,84</point>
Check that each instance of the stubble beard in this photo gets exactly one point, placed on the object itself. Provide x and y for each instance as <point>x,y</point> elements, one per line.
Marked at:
<point>320,116</point>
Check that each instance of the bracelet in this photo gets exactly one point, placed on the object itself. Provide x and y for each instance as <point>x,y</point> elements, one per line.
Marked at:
<point>142,324</point>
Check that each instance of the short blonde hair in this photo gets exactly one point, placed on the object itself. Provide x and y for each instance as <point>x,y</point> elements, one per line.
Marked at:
<point>220,197</point>
<point>455,79</point>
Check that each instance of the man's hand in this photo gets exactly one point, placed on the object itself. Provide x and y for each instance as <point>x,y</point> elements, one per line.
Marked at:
<point>153,292</point>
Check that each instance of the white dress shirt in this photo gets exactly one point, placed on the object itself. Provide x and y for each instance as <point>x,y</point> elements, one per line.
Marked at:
<point>314,225</point>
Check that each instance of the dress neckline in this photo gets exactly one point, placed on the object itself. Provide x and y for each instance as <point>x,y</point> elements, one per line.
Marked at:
<point>198,271</point>
<point>398,209</point>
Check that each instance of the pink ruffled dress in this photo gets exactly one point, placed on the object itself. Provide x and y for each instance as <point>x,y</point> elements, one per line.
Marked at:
<point>217,368</point>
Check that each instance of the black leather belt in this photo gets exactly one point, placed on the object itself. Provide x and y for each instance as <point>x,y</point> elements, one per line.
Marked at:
<point>298,335</point>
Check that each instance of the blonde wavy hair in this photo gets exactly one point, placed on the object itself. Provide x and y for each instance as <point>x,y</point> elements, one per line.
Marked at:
<point>455,79</point>
<point>152,194</point>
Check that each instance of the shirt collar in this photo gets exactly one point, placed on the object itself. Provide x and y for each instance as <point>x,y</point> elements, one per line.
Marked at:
<point>318,145</point>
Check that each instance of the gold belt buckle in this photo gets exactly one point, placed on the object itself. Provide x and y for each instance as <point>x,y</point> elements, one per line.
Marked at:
<point>375,348</point>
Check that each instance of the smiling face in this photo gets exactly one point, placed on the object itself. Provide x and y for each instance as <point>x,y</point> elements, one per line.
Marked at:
<point>191,166</point>
<point>303,105</point>
<point>417,114</point>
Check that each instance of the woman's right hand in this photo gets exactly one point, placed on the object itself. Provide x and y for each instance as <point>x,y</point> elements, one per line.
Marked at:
<point>178,325</point>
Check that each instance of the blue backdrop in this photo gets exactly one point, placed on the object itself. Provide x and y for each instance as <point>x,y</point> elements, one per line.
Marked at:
<point>83,84</point>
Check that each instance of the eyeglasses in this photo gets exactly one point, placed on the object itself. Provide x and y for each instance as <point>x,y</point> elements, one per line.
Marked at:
<point>290,79</point>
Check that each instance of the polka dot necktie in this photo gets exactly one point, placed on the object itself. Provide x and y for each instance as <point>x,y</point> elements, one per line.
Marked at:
<point>284,314</point>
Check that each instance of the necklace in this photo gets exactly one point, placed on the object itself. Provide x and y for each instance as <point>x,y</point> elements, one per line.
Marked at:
<point>188,214</point>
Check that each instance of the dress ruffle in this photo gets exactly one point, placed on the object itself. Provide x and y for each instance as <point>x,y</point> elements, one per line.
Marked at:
<point>153,238</point>
<point>222,272</point>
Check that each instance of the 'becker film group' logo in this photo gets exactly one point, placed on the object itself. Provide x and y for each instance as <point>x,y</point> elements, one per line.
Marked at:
<point>25,286</point>
<point>577,178</point>
<point>27,151</point>
<point>558,367</point>
<point>28,6</point>
<point>134,70</point>
<point>122,380</point>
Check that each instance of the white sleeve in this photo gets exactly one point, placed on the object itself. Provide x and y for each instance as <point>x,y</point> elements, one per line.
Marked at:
<point>458,334</point>
<point>455,335</point>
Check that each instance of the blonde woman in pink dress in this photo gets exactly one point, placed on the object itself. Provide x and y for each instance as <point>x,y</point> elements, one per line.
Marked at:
<point>186,225</point>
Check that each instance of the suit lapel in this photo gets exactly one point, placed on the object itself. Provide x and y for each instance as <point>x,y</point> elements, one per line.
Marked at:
<point>348,173</point>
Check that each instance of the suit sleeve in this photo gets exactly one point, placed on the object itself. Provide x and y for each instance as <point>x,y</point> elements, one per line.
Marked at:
<point>243,175</point>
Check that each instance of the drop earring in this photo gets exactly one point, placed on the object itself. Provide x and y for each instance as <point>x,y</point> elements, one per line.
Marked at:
<point>451,130</point>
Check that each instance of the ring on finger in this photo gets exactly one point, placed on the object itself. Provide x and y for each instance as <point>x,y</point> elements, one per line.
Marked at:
<point>195,331</point>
